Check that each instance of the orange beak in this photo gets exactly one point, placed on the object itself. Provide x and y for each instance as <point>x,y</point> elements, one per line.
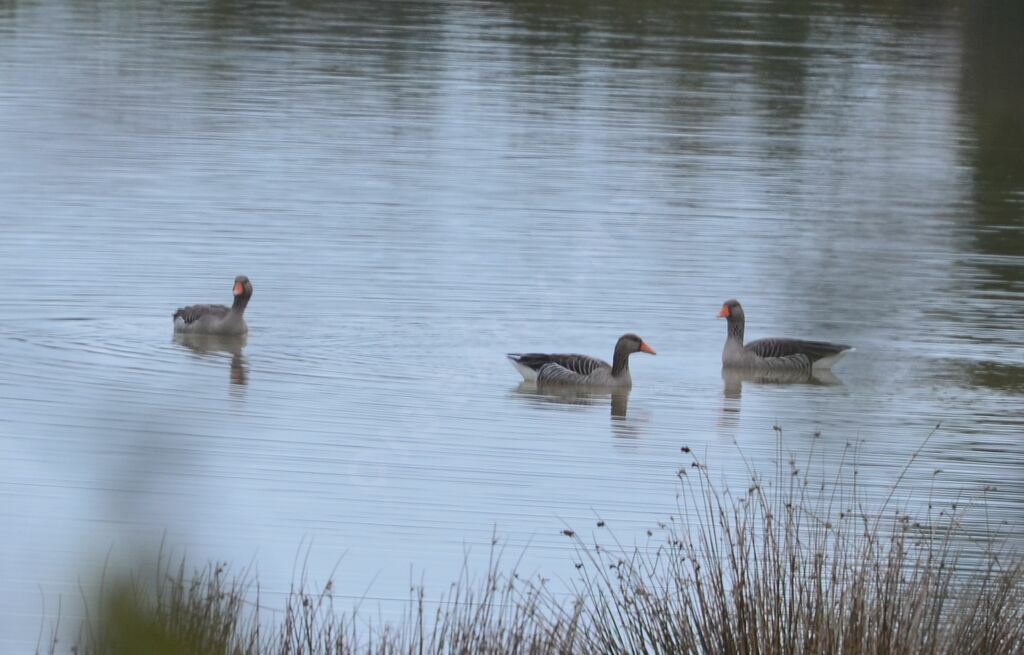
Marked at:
<point>239,290</point>
<point>724,313</point>
<point>644,348</point>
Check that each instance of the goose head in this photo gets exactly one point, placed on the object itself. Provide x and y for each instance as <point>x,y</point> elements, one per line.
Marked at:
<point>631,343</point>
<point>732,312</point>
<point>242,288</point>
<point>242,292</point>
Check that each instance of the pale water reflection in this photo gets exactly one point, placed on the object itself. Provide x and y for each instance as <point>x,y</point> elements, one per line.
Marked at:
<point>419,188</point>
<point>209,346</point>
<point>617,399</point>
<point>735,378</point>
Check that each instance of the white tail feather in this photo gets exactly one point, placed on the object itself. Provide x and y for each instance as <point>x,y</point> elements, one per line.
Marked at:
<point>528,373</point>
<point>825,363</point>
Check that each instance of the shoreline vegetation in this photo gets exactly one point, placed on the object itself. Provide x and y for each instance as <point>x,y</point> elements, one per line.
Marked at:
<point>771,568</point>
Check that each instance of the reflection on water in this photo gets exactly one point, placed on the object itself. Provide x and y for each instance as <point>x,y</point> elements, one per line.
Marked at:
<point>998,376</point>
<point>734,378</point>
<point>993,58</point>
<point>570,395</point>
<point>214,345</point>
<point>616,399</point>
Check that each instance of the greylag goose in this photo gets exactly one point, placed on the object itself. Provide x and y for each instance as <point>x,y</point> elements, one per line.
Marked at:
<point>581,370</point>
<point>773,353</point>
<point>217,319</point>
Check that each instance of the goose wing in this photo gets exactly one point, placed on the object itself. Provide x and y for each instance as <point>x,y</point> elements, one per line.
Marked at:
<point>571,369</point>
<point>795,349</point>
<point>193,313</point>
<point>552,373</point>
<point>581,365</point>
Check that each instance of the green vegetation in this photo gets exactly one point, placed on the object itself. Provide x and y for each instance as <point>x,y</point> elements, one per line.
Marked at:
<point>764,571</point>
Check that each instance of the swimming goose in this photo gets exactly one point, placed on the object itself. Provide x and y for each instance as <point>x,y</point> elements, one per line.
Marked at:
<point>773,353</point>
<point>217,319</point>
<point>581,370</point>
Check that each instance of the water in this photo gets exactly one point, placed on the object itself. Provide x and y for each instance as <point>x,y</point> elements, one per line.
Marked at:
<point>416,189</point>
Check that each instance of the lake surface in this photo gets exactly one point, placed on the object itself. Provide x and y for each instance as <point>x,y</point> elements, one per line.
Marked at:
<point>416,189</point>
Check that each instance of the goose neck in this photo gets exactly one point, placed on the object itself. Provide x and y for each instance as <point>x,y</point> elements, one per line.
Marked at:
<point>736,328</point>
<point>620,362</point>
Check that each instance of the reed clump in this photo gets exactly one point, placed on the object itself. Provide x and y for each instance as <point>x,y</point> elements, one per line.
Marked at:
<point>788,565</point>
<point>771,571</point>
<point>209,612</point>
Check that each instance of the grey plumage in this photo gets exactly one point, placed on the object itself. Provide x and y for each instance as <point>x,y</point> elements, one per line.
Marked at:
<point>575,364</point>
<point>192,313</point>
<point>812,350</point>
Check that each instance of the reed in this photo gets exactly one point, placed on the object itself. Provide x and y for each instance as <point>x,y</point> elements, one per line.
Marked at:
<point>771,569</point>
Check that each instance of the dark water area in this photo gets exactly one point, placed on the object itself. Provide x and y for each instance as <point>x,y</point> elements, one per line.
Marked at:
<point>417,188</point>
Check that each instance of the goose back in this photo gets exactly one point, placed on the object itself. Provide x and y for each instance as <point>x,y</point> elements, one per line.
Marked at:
<point>582,365</point>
